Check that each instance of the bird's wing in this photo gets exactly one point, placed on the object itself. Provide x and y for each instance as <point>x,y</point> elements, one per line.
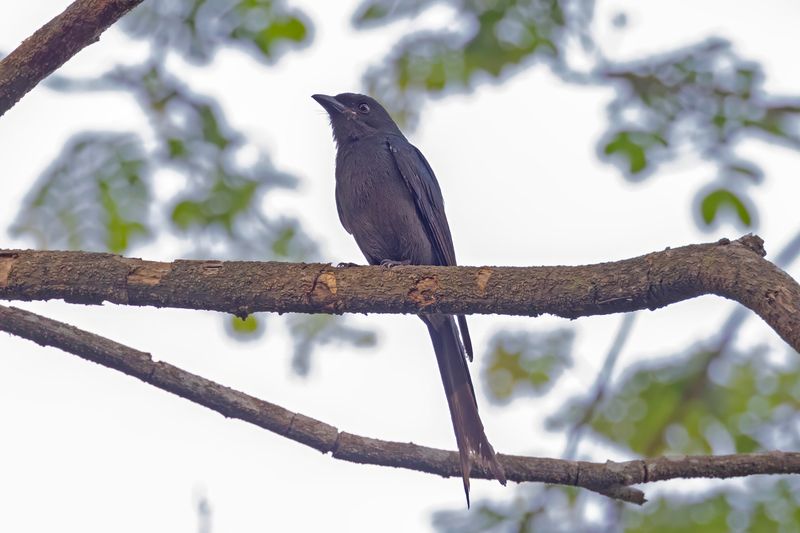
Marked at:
<point>342,217</point>
<point>421,181</point>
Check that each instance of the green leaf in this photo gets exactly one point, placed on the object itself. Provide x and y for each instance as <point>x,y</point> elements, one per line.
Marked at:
<point>248,325</point>
<point>278,25</point>
<point>373,12</point>
<point>176,147</point>
<point>623,145</point>
<point>745,80</point>
<point>119,230</point>
<point>287,28</point>
<point>280,247</point>
<point>211,129</point>
<point>723,199</point>
<point>221,205</point>
<point>379,11</point>
<point>633,146</point>
<point>526,362</point>
<point>187,213</point>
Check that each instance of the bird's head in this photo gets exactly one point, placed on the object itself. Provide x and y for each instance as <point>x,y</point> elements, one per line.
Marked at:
<point>354,116</point>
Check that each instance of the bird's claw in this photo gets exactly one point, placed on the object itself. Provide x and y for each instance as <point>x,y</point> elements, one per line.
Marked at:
<point>346,264</point>
<point>391,263</point>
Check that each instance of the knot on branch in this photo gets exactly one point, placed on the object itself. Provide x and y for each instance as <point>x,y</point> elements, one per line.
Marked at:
<point>423,293</point>
<point>482,279</point>
<point>6,261</point>
<point>324,290</point>
<point>146,273</point>
<point>753,243</point>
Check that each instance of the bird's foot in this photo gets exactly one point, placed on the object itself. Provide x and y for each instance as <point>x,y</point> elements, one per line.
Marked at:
<point>391,263</point>
<point>346,264</point>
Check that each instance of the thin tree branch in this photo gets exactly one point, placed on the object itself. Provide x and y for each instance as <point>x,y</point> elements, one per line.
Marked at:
<point>54,44</point>
<point>595,398</point>
<point>735,270</point>
<point>610,478</point>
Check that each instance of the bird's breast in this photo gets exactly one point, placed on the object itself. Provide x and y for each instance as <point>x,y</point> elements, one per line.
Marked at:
<point>376,206</point>
<point>366,176</point>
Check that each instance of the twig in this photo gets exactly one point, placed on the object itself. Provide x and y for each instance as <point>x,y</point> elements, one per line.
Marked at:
<point>54,44</point>
<point>595,399</point>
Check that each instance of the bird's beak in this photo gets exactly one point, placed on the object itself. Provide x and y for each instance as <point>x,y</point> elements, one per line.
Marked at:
<point>330,103</point>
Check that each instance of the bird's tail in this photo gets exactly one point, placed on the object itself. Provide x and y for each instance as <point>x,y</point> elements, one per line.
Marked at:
<point>470,436</point>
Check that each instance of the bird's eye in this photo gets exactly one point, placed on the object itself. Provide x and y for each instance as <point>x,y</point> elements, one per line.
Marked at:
<point>363,108</point>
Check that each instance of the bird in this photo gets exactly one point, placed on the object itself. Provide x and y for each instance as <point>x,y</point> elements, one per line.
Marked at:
<point>389,200</point>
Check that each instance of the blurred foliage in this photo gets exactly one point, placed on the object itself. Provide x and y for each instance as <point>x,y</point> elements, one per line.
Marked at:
<point>702,100</point>
<point>100,192</point>
<point>310,330</point>
<point>525,362</point>
<point>196,29</point>
<point>710,514</point>
<point>108,212</point>
<point>712,399</point>
<point>535,508</point>
<point>702,403</point>
<point>490,37</point>
<point>766,507</point>
<point>698,102</point>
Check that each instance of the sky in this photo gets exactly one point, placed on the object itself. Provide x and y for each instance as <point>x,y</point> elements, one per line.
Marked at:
<point>83,448</point>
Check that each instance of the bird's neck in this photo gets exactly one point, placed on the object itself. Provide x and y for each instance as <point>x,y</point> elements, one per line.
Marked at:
<point>352,139</point>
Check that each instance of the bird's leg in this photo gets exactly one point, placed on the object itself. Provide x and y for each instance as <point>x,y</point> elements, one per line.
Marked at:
<point>390,263</point>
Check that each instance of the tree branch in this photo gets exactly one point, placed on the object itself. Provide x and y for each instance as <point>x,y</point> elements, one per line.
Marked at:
<point>592,403</point>
<point>54,44</point>
<point>735,270</point>
<point>610,478</point>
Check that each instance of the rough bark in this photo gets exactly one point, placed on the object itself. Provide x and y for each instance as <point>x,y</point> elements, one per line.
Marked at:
<point>735,270</point>
<point>53,44</point>
<point>609,478</point>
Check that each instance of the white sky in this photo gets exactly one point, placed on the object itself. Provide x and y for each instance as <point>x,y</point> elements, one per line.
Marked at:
<point>83,448</point>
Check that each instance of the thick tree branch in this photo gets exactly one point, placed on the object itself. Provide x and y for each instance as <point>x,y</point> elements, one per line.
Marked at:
<point>611,479</point>
<point>735,270</point>
<point>54,43</point>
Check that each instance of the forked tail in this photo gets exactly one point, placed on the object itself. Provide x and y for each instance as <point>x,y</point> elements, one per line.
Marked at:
<point>470,436</point>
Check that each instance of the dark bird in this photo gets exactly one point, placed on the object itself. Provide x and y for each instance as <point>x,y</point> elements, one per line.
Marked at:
<point>389,200</point>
